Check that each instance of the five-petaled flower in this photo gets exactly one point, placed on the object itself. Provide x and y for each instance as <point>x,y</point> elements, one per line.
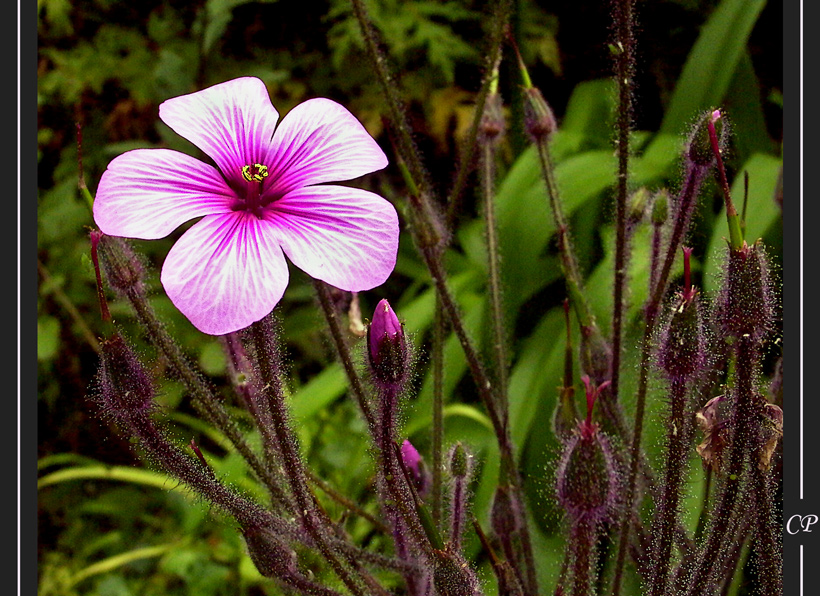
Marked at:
<point>265,198</point>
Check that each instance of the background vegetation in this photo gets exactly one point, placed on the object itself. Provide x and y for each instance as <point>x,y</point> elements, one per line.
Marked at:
<point>110,525</point>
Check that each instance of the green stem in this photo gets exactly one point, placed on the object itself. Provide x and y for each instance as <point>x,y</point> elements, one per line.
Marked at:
<point>438,412</point>
<point>744,416</point>
<point>665,518</point>
<point>493,257</point>
<point>292,464</point>
<point>569,263</point>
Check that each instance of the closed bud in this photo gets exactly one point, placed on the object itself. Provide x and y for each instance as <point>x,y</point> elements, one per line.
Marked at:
<point>638,203</point>
<point>505,516</point>
<point>493,123</point>
<point>415,465</point>
<point>460,461</point>
<point>682,342</point>
<point>539,120</point>
<point>271,556</point>
<point>682,346</point>
<point>660,207</point>
<point>124,269</point>
<point>387,348</point>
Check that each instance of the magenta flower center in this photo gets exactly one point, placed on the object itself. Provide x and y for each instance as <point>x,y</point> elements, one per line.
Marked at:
<point>255,200</point>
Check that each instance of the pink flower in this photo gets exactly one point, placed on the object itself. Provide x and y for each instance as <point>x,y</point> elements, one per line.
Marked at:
<point>265,198</point>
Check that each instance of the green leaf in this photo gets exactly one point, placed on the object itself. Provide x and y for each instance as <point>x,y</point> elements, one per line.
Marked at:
<point>48,337</point>
<point>322,390</point>
<point>761,214</point>
<point>712,62</point>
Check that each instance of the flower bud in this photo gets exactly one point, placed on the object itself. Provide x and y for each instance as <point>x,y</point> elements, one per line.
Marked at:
<point>493,123</point>
<point>415,465</point>
<point>460,461</point>
<point>124,269</point>
<point>660,208</point>
<point>539,120</point>
<point>271,556</point>
<point>682,347</point>
<point>505,516</point>
<point>387,348</point>
<point>637,207</point>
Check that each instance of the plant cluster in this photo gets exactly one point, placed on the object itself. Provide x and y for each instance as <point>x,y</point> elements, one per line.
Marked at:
<point>446,472</point>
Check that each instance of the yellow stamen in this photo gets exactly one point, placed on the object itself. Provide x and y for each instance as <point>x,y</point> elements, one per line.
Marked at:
<point>255,173</point>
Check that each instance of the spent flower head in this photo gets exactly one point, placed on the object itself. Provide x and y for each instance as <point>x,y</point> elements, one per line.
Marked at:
<point>266,198</point>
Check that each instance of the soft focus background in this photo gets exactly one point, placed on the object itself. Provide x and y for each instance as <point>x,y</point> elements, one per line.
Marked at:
<point>109,524</point>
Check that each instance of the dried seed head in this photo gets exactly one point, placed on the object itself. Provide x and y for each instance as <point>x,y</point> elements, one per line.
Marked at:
<point>771,431</point>
<point>682,346</point>
<point>124,388</point>
<point>699,149</point>
<point>453,576</point>
<point>271,556</point>
<point>713,419</point>
<point>587,479</point>
<point>744,306</point>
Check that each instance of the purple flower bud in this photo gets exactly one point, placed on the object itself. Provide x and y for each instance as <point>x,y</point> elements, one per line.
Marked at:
<point>415,464</point>
<point>387,348</point>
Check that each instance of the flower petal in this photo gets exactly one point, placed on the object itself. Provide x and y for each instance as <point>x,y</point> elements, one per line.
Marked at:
<point>226,272</point>
<point>233,122</point>
<point>148,193</point>
<point>347,237</point>
<point>320,141</point>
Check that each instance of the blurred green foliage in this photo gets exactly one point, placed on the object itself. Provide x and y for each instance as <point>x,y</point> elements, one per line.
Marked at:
<point>105,66</point>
